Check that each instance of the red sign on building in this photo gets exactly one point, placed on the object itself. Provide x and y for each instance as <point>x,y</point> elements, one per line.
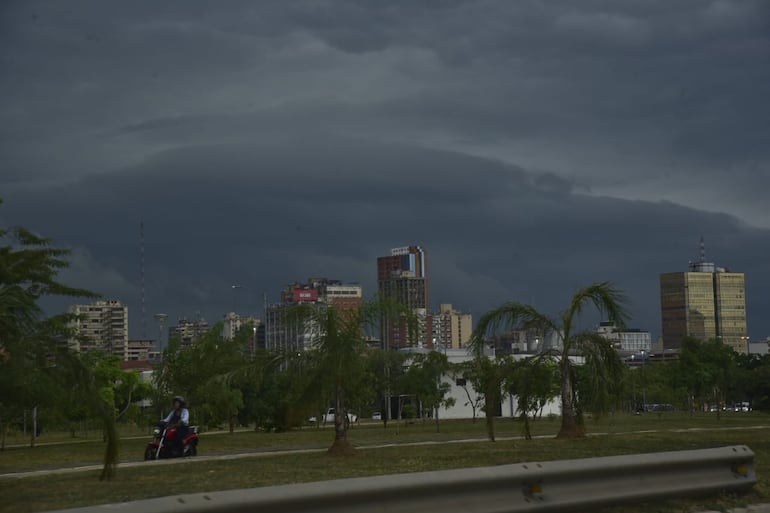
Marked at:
<point>305,295</point>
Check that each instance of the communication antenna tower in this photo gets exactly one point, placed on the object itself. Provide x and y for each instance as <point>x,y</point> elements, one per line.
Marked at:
<point>141,277</point>
<point>702,250</point>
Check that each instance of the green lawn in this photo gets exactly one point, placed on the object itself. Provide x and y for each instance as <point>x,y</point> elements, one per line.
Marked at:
<point>50,492</point>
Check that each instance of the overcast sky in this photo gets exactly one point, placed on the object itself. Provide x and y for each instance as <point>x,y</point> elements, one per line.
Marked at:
<point>532,147</point>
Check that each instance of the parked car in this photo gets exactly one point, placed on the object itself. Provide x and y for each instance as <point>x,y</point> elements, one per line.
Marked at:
<point>329,417</point>
<point>742,407</point>
<point>376,416</point>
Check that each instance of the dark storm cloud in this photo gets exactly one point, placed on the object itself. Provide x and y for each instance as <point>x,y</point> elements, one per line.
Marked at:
<point>531,146</point>
<point>264,215</point>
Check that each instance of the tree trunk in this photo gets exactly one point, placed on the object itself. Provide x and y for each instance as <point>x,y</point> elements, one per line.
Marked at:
<point>341,446</point>
<point>490,424</point>
<point>34,428</point>
<point>438,430</point>
<point>490,400</point>
<point>527,430</point>
<point>571,427</point>
<point>232,424</point>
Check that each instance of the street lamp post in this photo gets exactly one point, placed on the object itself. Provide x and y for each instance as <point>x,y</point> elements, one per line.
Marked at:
<point>161,318</point>
<point>644,383</point>
<point>633,383</point>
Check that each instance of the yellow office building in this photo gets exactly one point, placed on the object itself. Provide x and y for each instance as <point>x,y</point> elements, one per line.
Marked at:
<point>707,302</point>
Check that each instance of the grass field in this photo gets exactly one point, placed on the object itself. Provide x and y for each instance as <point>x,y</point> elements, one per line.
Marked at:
<point>623,437</point>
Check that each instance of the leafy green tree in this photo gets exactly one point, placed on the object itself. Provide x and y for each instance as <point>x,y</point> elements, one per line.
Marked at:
<point>104,390</point>
<point>204,373</point>
<point>29,267</point>
<point>463,374</point>
<point>424,379</point>
<point>488,378</point>
<point>386,371</point>
<point>533,382</point>
<point>269,393</point>
<point>600,357</point>
<point>386,377</point>
<point>32,356</point>
<point>752,380</point>
<point>707,368</point>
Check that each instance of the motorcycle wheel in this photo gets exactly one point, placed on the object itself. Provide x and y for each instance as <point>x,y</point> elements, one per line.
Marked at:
<point>149,454</point>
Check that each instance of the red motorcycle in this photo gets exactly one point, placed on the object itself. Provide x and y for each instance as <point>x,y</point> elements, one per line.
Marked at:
<point>164,444</point>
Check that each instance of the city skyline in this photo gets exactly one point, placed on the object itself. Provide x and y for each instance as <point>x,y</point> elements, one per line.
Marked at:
<point>533,148</point>
<point>410,262</point>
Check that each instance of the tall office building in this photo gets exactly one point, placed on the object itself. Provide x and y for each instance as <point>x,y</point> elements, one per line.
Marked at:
<point>451,329</point>
<point>402,276</point>
<point>101,326</point>
<point>705,302</point>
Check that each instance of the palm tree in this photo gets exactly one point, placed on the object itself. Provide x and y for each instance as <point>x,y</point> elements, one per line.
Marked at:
<point>337,354</point>
<point>600,357</point>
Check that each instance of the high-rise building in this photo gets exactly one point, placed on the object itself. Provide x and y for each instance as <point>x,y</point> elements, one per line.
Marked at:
<point>402,276</point>
<point>188,330</point>
<point>284,334</point>
<point>139,350</point>
<point>705,302</point>
<point>101,326</point>
<point>451,329</point>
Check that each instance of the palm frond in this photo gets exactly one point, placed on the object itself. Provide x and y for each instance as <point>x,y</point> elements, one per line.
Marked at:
<point>506,318</point>
<point>605,297</point>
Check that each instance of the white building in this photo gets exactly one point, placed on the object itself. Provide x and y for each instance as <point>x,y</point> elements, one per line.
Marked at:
<point>466,397</point>
<point>626,340</point>
<point>101,326</point>
<point>759,347</point>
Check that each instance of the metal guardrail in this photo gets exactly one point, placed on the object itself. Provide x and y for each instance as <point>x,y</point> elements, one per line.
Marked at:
<point>539,486</point>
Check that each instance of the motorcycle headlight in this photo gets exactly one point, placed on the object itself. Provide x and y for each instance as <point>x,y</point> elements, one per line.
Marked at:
<point>156,431</point>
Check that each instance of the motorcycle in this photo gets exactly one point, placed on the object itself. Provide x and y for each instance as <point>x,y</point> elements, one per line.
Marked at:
<point>164,444</point>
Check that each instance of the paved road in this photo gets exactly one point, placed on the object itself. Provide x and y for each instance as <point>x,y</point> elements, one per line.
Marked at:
<point>271,453</point>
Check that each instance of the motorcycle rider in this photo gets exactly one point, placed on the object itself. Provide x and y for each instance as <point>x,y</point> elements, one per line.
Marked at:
<point>179,417</point>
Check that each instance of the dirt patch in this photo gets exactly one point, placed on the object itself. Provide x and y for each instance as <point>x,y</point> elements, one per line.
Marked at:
<point>342,448</point>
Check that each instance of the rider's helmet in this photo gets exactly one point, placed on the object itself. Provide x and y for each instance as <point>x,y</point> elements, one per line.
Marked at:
<point>181,401</point>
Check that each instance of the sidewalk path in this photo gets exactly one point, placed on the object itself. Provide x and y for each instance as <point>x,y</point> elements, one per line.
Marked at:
<point>268,453</point>
<point>98,440</point>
